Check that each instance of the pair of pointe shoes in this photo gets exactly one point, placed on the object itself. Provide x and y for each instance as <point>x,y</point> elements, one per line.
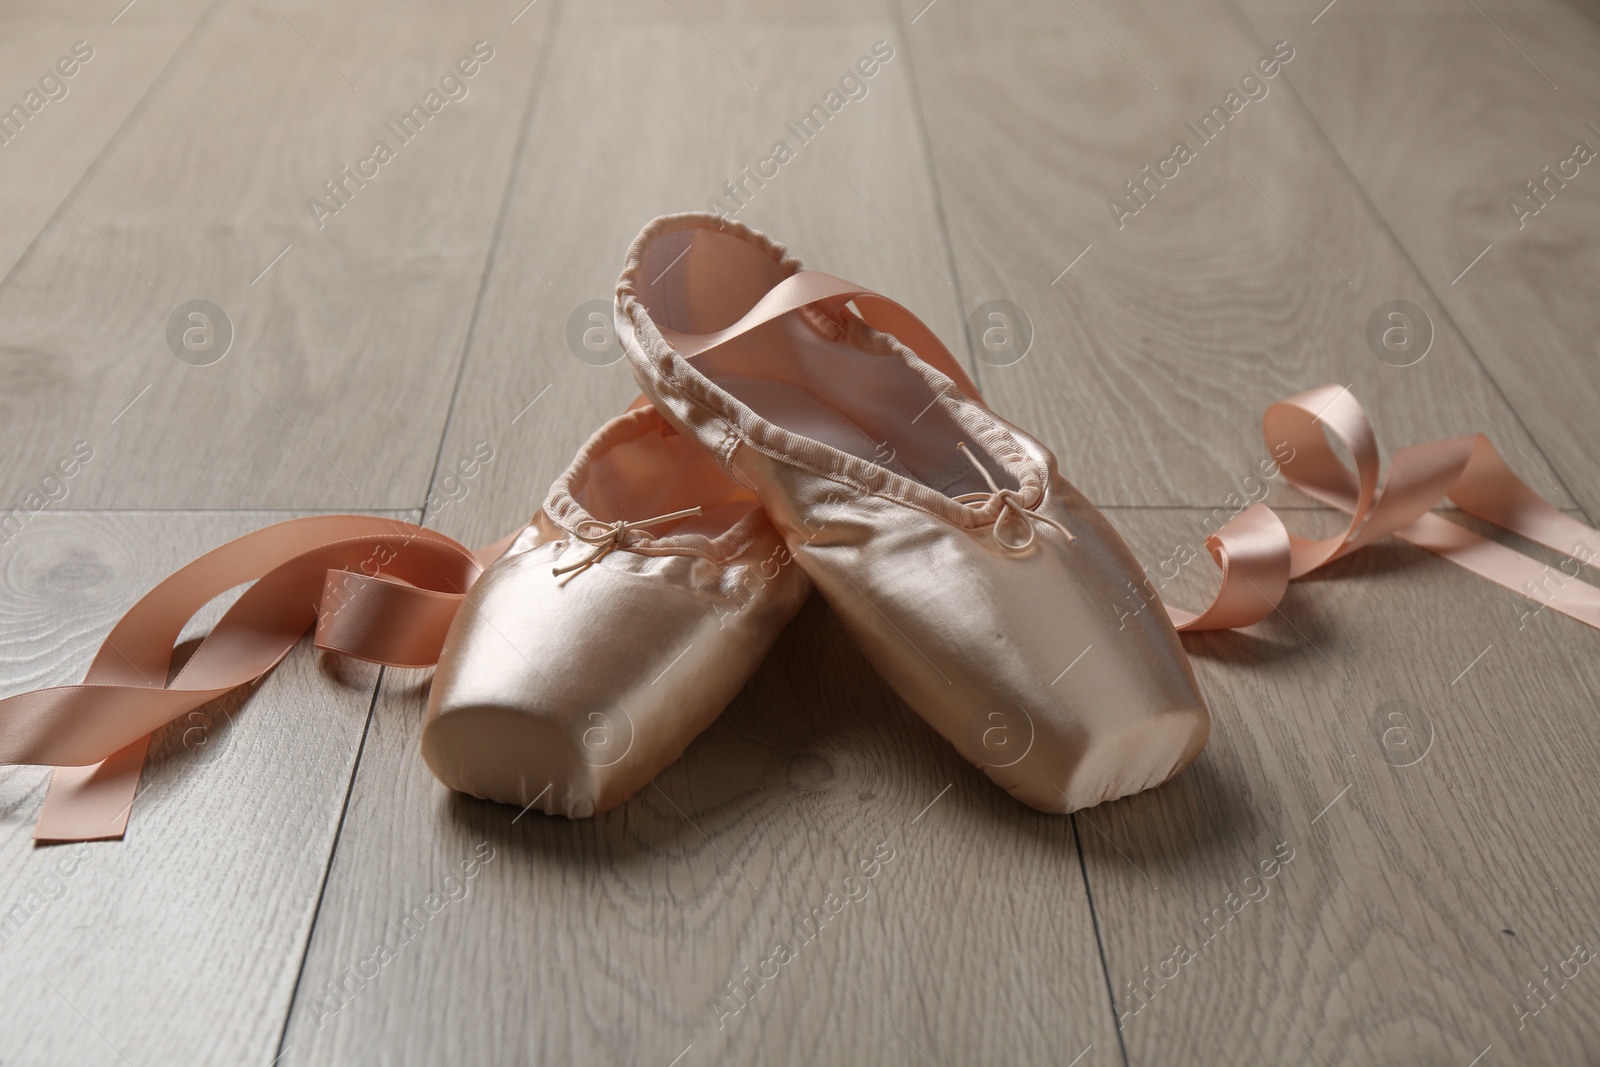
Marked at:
<point>792,442</point>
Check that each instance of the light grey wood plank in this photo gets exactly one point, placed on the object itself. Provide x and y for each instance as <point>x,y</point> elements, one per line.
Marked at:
<point>1247,277</point>
<point>1486,101</point>
<point>76,114</point>
<point>587,189</point>
<point>337,383</point>
<point>180,943</point>
<point>612,939</point>
<point>707,14</point>
<point>1418,905</point>
<point>625,929</point>
<point>1315,12</point>
<point>1425,751</point>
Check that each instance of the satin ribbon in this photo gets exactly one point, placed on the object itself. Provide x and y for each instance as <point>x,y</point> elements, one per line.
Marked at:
<point>808,287</point>
<point>385,591</point>
<point>1258,555</point>
<point>377,589</point>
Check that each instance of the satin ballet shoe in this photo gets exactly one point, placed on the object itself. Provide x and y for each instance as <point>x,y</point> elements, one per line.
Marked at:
<point>617,626</point>
<point>984,587</point>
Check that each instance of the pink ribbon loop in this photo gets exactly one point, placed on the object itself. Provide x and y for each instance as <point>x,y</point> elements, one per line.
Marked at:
<point>808,287</point>
<point>377,589</point>
<point>1252,552</point>
<point>1258,555</point>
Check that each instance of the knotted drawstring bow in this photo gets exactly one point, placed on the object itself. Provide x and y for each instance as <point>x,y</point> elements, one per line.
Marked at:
<point>610,538</point>
<point>1008,499</point>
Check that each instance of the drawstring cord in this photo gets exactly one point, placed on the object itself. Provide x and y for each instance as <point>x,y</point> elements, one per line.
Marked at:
<point>1008,499</point>
<point>610,538</point>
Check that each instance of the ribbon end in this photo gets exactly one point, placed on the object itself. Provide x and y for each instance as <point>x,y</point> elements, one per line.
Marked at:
<point>92,803</point>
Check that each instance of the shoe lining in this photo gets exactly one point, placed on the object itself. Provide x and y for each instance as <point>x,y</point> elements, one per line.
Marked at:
<point>656,473</point>
<point>809,373</point>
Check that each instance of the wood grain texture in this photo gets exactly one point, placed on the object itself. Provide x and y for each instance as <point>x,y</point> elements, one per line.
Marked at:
<point>1444,117</point>
<point>607,152</point>
<point>338,379</point>
<point>814,765</point>
<point>614,939</point>
<point>1248,277</point>
<point>1442,860</point>
<point>76,115</point>
<point>1452,863</point>
<point>180,943</point>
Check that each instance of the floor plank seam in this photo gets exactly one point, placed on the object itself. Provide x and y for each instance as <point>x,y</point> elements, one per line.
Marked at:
<point>529,111</point>
<point>1099,940</point>
<point>135,113</point>
<point>1405,254</point>
<point>903,29</point>
<point>327,870</point>
<point>1456,715</point>
<point>535,92</point>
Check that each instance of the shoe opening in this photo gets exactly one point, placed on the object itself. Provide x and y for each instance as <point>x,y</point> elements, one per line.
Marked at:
<point>820,373</point>
<point>643,467</point>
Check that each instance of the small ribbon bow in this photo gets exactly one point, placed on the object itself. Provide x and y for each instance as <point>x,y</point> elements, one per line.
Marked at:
<point>1008,499</point>
<point>610,538</point>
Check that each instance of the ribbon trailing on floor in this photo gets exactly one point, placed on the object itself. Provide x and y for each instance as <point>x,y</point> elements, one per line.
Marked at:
<point>1258,556</point>
<point>375,588</point>
<point>385,591</point>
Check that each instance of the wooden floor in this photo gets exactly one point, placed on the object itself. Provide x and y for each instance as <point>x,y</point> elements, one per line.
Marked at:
<point>1408,749</point>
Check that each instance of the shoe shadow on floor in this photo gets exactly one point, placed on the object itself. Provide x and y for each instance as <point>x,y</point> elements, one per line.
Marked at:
<point>818,753</point>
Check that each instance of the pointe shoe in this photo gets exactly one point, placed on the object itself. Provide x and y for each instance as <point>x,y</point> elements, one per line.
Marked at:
<point>980,584</point>
<point>614,630</point>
